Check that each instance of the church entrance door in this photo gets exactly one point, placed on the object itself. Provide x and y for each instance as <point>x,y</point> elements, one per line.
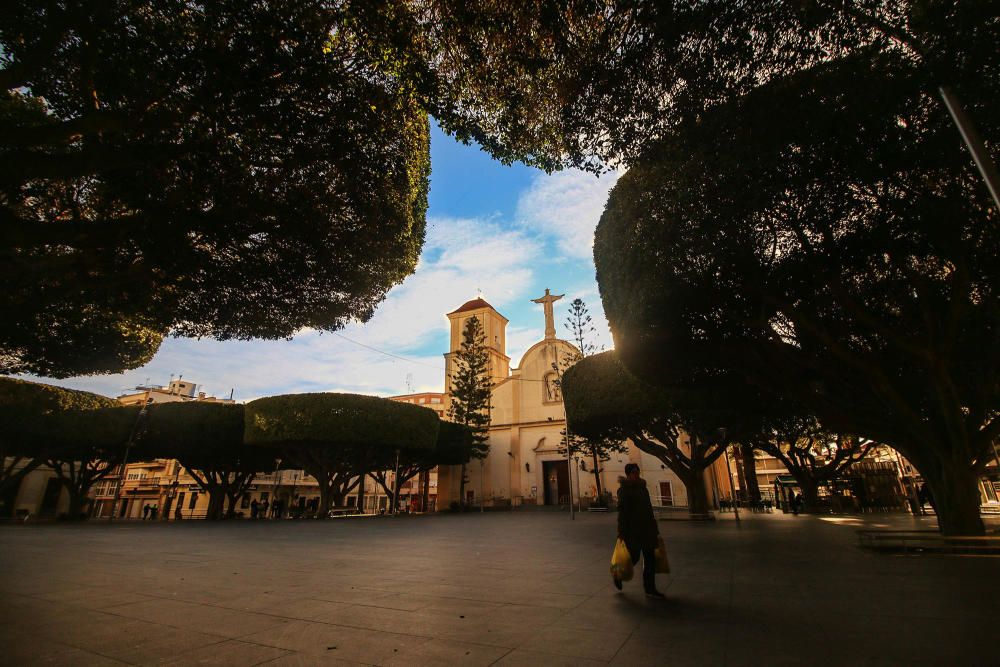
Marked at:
<point>556,474</point>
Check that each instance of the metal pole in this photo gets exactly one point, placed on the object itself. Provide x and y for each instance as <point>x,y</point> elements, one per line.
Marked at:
<point>569,458</point>
<point>974,142</point>
<point>732,488</point>
<point>128,448</point>
<point>395,485</point>
<point>482,485</point>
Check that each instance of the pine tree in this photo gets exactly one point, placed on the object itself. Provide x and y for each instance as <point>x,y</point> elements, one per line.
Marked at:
<point>599,450</point>
<point>471,387</point>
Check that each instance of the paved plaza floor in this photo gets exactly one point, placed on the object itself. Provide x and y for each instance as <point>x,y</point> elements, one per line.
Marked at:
<point>527,588</point>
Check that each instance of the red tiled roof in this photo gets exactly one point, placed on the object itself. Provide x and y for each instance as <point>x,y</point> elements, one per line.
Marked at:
<point>475,304</point>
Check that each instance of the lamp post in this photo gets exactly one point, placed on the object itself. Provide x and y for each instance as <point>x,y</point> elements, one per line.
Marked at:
<point>566,442</point>
<point>732,487</point>
<point>128,448</point>
<point>395,486</point>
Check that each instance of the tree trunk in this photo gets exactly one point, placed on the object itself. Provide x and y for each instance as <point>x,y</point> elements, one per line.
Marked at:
<point>597,480</point>
<point>361,493</point>
<point>750,473</point>
<point>216,500</point>
<point>697,492</point>
<point>955,487</point>
<point>425,494</point>
<point>810,493</point>
<point>77,501</point>
<point>324,498</point>
<point>232,498</point>
<point>461,487</point>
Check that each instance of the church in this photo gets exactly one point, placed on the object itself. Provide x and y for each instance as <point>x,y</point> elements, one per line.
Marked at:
<point>527,421</point>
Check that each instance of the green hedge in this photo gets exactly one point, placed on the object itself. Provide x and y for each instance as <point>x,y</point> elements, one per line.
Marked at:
<point>340,419</point>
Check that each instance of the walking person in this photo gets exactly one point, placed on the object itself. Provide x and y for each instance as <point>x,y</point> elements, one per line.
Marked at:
<point>153,511</point>
<point>637,527</point>
<point>263,509</point>
<point>145,511</point>
<point>254,508</point>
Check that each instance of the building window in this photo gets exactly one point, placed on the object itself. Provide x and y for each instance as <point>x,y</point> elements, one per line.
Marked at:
<point>193,501</point>
<point>435,399</point>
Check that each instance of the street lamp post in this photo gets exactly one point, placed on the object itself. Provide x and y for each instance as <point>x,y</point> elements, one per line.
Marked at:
<point>128,448</point>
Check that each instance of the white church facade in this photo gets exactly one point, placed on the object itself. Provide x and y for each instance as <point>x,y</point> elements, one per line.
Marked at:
<point>527,420</point>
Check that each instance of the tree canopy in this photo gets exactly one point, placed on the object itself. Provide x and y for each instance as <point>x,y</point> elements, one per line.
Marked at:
<point>583,83</point>
<point>235,170</point>
<point>687,428</point>
<point>24,408</point>
<point>824,238</point>
<point>340,420</point>
<point>207,439</point>
<point>338,438</point>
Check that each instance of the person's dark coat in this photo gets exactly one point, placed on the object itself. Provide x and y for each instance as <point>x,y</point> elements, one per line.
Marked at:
<point>636,523</point>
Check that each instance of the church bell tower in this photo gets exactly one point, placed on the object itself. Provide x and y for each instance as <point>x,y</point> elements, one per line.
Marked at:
<point>495,329</point>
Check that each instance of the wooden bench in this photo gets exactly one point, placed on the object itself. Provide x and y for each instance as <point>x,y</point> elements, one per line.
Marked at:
<point>928,541</point>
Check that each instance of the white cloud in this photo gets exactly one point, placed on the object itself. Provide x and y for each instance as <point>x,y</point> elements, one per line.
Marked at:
<point>566,206</point>
<point>461,257</point>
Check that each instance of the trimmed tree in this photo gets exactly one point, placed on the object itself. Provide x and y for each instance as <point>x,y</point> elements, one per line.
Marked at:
<point>471,387</point>
<point>84,446</point>
<point>329,435</point>
<point>23,408</point>
<point>812,455</point>
<point>842,254</point>
<point>603,399</point>
<point>599,449</point>
<point>230,169</point>
<point>207,439</point>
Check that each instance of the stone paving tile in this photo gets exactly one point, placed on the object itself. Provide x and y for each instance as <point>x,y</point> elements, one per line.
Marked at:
<point>693,652</point>
<point>578,643</point>
<point>444,652</point>
<point>309,660</point>
<point>213,620</point>
<point>336,641</point>
<point>230,653</point>
<point>525,658</point>
<point>164,644</point>
<point>527,614</point>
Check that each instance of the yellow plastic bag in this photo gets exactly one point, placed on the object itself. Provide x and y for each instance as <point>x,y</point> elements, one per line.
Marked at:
<point>662,563</point>
<point>621,562</point>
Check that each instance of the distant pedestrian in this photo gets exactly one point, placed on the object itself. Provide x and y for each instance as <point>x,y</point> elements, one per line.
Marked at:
<point>153,511</point>
<point>178,515</point>
<point>254,508</point>
<point>145,511</point>
<point>637,527</point>
<point>796,501</point>
<point>263,509</point>
<point>927,497</point>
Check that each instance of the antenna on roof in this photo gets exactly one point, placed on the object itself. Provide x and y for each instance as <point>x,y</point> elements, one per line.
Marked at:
<point>231,393</point>
<point>409,383</point>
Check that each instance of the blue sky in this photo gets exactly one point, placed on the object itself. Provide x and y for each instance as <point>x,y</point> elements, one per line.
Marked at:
<point>509,231</point>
